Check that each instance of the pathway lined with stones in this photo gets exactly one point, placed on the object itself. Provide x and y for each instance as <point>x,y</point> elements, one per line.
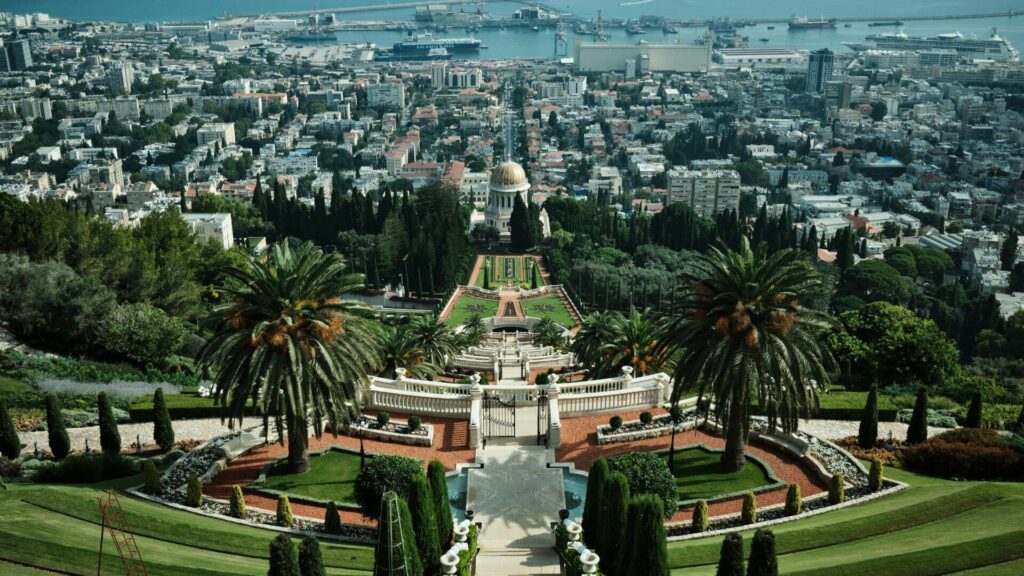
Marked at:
<point>201,429</point>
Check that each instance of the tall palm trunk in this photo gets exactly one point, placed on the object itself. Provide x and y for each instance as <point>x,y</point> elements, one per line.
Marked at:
<point>734,456</point>
<point>298,444</point>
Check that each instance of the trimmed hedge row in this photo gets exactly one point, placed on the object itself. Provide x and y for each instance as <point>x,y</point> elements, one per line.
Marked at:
<point>183,407</point>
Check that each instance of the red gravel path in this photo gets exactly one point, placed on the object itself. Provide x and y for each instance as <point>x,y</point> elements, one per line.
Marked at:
<point>579,445</point>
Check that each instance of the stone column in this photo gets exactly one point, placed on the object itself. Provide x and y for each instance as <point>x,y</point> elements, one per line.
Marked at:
<point>554,420</point>
<point>475,411</point>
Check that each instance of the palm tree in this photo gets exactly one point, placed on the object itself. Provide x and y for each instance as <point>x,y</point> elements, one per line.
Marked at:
<point>399,348</point>
<point>473,333</point>
<point>743,334</point>
<point>589,343</point>
<point>547,332</point>
<point>438,343</point>
<point>611,340</point>
<point>283,337</point>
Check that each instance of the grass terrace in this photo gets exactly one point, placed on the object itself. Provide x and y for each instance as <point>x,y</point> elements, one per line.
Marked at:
<point>331,476</point>
<point>698,475</point>
<point>468,306</point>
<point>550,306</point>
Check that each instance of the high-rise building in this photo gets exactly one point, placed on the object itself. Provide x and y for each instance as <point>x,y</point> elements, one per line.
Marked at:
<point>120,79</point>
<point>819,70</point>
<point>16,56</point>
<point>838,93</point>
<point>386,94</point>
<point>707,192</point>
<point>438,75</point>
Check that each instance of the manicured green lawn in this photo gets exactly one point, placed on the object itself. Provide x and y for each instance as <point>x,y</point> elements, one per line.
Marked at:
<point>468,306</point>
<point>331,476</point>
<point>550,306</point>
<point>933,527</point>
<point>57,527</point>
<point>698,476</point>
<point>849,405</point>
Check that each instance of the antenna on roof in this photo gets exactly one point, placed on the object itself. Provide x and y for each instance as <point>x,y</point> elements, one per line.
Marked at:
<point>508,123</point>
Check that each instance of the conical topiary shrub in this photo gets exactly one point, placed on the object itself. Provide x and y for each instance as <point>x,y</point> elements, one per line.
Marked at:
<point>163,431</point>
<point>875,476</point>
<point>748,515</point>
<point>762,555</point>
<point>868,433</point>
<point>917,431</point>
<point>396,553</point>
<point>110,437</point>
<point>10,444</point>
<point>332,520</point>
<point>973,419</point>
<point>311,561</point>
<point>236,508</point>
<point>284,512</point>
<point>794,503</point>
<point>837,489</point>
<point>591,506</point>
<point>612,521</point>
<point>443,509</point>
<point>700,516</point>
<point>152,482</point>
<point>730,559</point>
<point>421,507</point>
<point>649,555</point>
<point>56,433</point>
<point>194,492</point>
<point>282,557</point>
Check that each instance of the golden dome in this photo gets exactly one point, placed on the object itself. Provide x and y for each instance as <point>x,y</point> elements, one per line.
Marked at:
<point>509,174</point>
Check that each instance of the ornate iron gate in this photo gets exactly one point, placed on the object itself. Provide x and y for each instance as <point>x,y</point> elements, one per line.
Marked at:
<point>542,418</point>
<point>499,417</point>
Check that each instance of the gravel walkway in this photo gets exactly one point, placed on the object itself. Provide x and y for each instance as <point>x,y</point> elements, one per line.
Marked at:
<point>835,429</point>
<point>183,430</point>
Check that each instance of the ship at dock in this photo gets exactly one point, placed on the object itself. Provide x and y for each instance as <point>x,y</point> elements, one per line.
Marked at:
<point>992,48</point>
<point>886,23</point>
<point>312,36</point>
<point>804,23</point>
<point>423,44</point>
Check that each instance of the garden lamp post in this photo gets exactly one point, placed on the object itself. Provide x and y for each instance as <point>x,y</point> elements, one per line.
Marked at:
<point>362,447</point>
<point>674,415</point>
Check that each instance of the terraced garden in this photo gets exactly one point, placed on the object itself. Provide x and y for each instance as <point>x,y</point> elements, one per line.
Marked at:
<point>550,306</point>
<point>331,476</point>
<point>508,270</point>
<point>933,527</point>
<point>698,475</point>
<point>469,306</point>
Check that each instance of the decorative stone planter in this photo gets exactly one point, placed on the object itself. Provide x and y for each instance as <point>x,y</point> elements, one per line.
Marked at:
<point>426,439</point>
<point>655,431</point>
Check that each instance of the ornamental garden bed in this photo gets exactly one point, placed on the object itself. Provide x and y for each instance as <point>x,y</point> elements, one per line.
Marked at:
<point>396,431</point>
<point>331,478</point>
<point>633,430</point>
<point>698,477</point>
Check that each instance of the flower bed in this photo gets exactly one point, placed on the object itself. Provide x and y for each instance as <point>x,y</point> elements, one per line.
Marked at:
<point>637,430</point>
<point>394,431</point>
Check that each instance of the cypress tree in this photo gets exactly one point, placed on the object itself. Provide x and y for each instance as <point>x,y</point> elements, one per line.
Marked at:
<point>917,432</point>
<point>700,516</point>
<point>613,520</point>
<point>837,489</point>
<point>10,444</point>
<point>110,438</point>
<point>57,434</point>
<point>875,476</point>
<point>439,488</point>
<point>762,555</point>
<point>284,512</point>
<point>1020,419</point>
<point>595,499</point>
<point>974,412</point>
<point>749,513</point>
<point>237,505</point>
<point>194,492</point>
<point>794,503</point>
<point>163,432</point>
<point>868,432</point>
<point>332,520</point>
<point>152,482</point>
<point>421,507</point>
<point>311,562</point>
<point>396,553</point>
<point>649,554</point>
<point>282,557</point>
<point>730,560</point>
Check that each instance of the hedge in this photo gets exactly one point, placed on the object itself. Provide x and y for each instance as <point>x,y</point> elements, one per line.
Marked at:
<point>188,406</point>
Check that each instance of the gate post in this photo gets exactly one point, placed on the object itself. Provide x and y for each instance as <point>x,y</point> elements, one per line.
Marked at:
<point>554,421</point>
<point>475,411</point>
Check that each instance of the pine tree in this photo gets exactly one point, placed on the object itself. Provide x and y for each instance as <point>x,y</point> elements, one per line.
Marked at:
<point>762,555</point>
<point>57,434</point>
<point>110,438</point>
<point>837,489</point>
<point>311,562</point>
<point>332,520</point>
<point>520,227</point>
<point>595,499</point>
<point>973,419</point>
<point>152,481</point>
<point>699,523</point>
<point>730,560</point>
<point>282,557</point>
<point>917,432</point>
<point>794,503</point>
<point>649,552</point>
<point>396,553</point>
<point>875,476</point>
<point>421,507</point>
<point>748,514</point>
<point>613,521</point>
<point>284,512</point>
<point>10,444</point>
<point>868,433</point>
<point>163,431</point>
<point>236,508</point>
<point>194,492</point>
<point>439,488</point>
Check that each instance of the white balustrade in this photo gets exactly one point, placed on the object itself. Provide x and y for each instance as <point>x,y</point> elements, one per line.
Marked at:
<point>451,405</point>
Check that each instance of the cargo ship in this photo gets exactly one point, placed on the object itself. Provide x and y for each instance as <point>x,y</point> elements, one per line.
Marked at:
<point>992,48</point>
<point>439,54</point>
<point>803,23</point>
<point>317,36</point>
<point>886,23</point>
<point>422,45</point>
